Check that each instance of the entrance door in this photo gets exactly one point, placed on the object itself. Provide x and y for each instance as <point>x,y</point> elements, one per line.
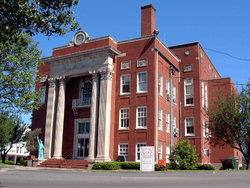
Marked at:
<point>82,140</point>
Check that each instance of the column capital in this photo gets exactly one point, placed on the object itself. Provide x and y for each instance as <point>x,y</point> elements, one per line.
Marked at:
<point>106,74</point>
<point>52,82</point>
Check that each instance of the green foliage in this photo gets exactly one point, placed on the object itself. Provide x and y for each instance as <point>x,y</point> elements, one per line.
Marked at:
<point>230,121</point>
<point>22,162</point>
<point>19,56</point>
<point>160,168</point>
<point>11,132</point>
<point>183,156</point>
<point>31,139</point>
<point>9,162</point>
<point>205,167</point>
<point>19,61</point>
<point>116,165</point>
<point>36,16</point>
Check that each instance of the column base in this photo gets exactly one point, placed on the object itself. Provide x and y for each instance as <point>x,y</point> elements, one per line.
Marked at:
<point>100,159</point>
<point>57,157</point>
<point>91,159</point>
<point>46,156</point>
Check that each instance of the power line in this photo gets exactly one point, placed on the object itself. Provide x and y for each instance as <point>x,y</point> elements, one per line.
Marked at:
<point>242,59</point>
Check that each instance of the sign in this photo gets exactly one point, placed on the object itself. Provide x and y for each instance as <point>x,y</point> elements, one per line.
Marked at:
<point>147,158</point>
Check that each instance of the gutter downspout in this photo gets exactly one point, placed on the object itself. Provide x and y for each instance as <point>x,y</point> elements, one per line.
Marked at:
<point>156,109</point>
<point>179,104</point>
<point>171,107</point>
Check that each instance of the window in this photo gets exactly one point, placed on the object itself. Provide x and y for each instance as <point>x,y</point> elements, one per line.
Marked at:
<point>86,89</point>
<point>138,150</point>
<point>124,118</point>
<point>174,94</point>
<point>189,126</point>
<point>206,95</point>
<point>43,94</point>
<point>83,128</point>
<point>125,84</point>
<point>174,122</point>
<point>160,84</point>
<point>204,127</point>
<point>142,117</point>
<point>202,90</point>
<point>167,121</point>
<point>188,91</point>
<point>142,85</point>
<point>167,89</point>
<point>123,150</point>
<point>160,119</point>
<point>159,151</point>
<point>167,154</point>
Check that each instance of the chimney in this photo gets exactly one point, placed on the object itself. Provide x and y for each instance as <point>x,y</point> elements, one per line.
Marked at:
<point>147,20</point>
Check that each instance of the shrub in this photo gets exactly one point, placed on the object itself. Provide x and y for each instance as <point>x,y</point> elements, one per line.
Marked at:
<point>9,162</point>
<point>107,166</point>
<point>116,165</point>
<point>205,167</point>
<point>22,162</point>
<point>161,168</point>
<point>183,156</point>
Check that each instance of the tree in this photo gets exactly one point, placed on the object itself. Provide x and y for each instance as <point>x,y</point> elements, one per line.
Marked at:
<point>11,132</point>
<point>229,122</point>
<point>36,16</point>
<point>18,69</point>
<point>183,156</point>
<point>31,139</point>
<point>19,57</point>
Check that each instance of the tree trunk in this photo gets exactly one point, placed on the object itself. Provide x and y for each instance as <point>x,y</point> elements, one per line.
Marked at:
<point>3,155</point>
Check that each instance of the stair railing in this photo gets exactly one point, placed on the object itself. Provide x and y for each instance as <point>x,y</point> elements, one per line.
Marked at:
<point>67,153</point>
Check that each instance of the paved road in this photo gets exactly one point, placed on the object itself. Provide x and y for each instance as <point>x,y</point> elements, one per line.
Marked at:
<point>58,178</point>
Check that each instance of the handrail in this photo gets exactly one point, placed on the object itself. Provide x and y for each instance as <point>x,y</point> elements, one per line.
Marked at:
<point>71,151</point>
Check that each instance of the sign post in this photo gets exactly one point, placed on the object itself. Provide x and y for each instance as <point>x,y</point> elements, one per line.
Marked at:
<point>147,158</point>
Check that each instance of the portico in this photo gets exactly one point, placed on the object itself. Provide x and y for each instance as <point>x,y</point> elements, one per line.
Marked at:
<point>99,64</point>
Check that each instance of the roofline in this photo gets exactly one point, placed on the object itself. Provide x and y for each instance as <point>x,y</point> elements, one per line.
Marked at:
<point>184,45</point>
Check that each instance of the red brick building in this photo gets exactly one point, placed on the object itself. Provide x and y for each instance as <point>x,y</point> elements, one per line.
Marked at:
<point>104,98</point>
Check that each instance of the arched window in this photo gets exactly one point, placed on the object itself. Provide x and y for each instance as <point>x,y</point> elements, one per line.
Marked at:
<point>86,89</point>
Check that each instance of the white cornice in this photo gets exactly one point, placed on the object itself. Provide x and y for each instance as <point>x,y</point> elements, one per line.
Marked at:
<point>70,44</point>
<point>106,48</point>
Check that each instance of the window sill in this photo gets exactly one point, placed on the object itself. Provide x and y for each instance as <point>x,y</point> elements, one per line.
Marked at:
<point>122,94</point>
<point>168,132</point>
<point>189,134</point>
<point>160,130</point>
<point>188,105</point>
<point>138,128</point>
<point>160,94</point>
<point>123,129</point>
<point>141,92</point>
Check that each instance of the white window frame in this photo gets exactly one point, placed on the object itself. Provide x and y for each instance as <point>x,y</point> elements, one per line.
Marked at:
<point>142,119</point>
<point>202,91</point>
<point>142,82</point>
<point>188,96</point>
<point>81,93</point>
<point>187,125</point>
<point>174,93</point>
<point>159,151</point>
<point>204,127</point>
<point>124,119</point>
<point>160,85</point>
<point>138,150</point>
<point>167,122</point>
<point>174,121</point>
<point>160,119</point>
<point>167,154</point>
<point>123,152</point>
<point>43,94</point>
<point>167,87</point>
<point>123,84</point>
<point>206,95</point>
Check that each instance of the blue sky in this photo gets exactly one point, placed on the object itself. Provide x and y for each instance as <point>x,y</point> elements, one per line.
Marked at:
<point>219,25</point>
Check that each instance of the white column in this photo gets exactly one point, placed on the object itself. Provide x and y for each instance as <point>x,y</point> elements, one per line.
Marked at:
<point>93,117</point>
<point>59,119</point>
<point>49,118</point>
<point>104,117</point>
